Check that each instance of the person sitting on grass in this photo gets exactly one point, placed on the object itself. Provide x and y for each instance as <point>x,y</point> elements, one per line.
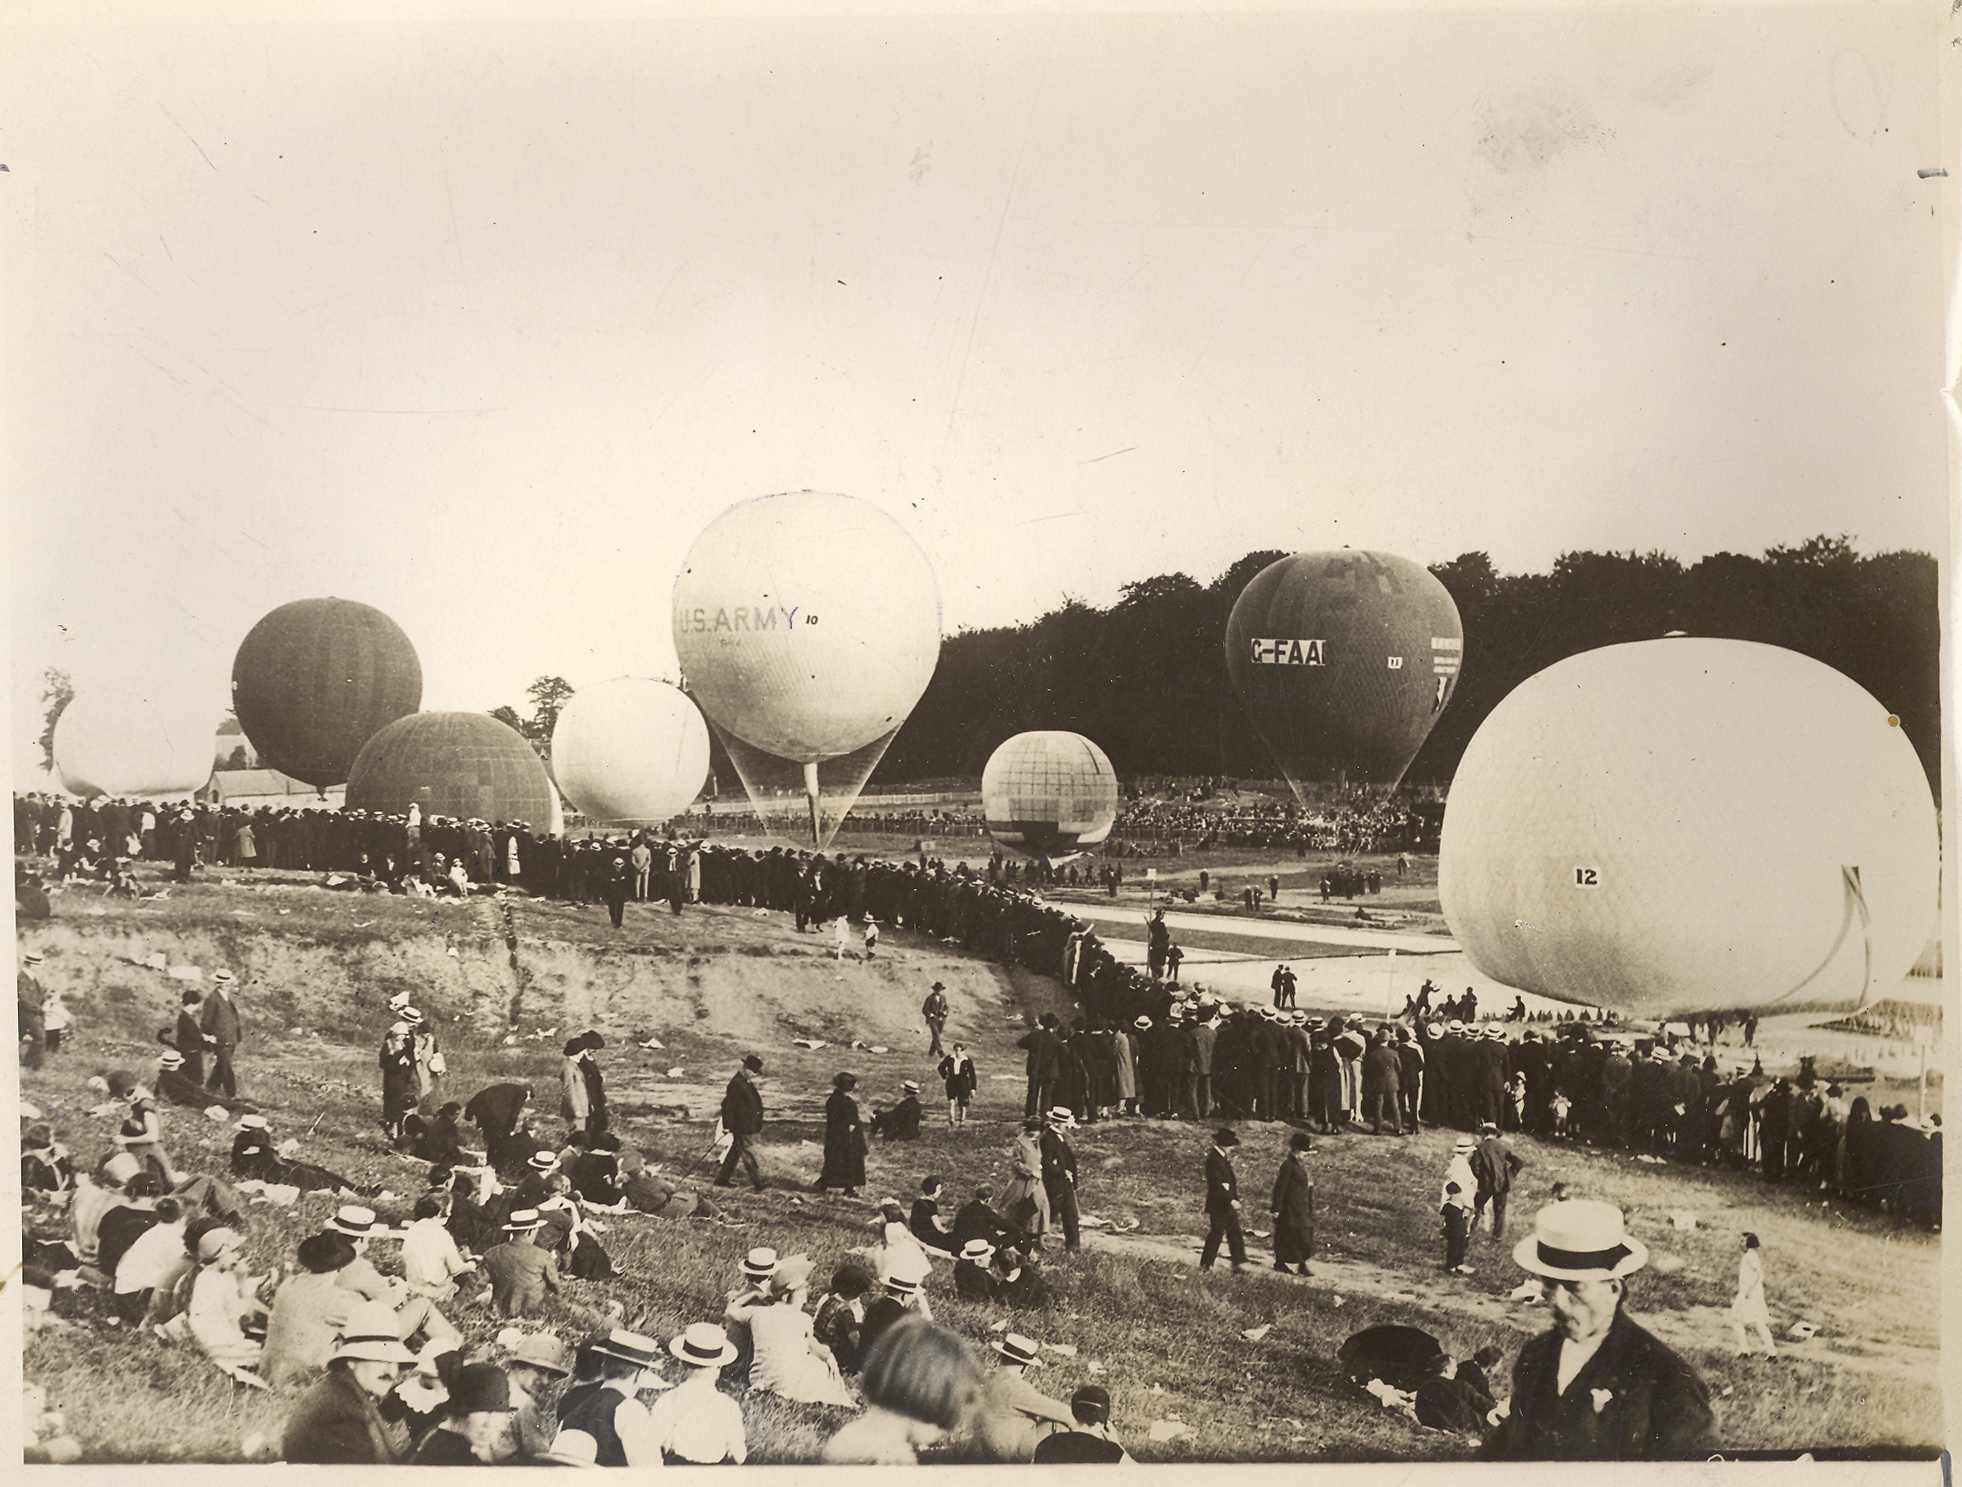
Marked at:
<point>476,1426</point>
<point>255,1156</point>
<point>921,1384</point>
<point>900,1299</point>
<point>437,1139</point>
<point>1015,1415</point>
<point>415,1314</point>
<point>537,1371</point>
<point>95,1196</point>
<point>977,1219</point>
<point>310,1310</point>
<point>338,1421</point>
<point>519,1271</point>
<point>902,1122</point>
<point>225,1310</point>
<point>45,1166</point>
<point>141,1133</point>
<point>585,1257</point>
<point>974,1275</point>
<point>123,1225</point>
<point>1090,1440</point>
<point>786,1357</point>
<point>694,1423</point>
<point>153,1264</point>
<point>604,1403</point>
<point>431,1260</point>
<point>841,1314</point>
<point>932,1231</point>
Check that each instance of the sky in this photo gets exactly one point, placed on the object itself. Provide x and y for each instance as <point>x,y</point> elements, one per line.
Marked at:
<point>481,318</point>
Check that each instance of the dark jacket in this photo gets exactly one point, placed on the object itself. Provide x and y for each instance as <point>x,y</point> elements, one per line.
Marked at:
<point>336,1423</point>
<point>1495,1164</point>
<point>742,1107</point>
<point>1045,1053</point>
<point>1651,1406</point>
<point>1222,1185</point>
<point>1058,1162</point>
<point>844,1143</point>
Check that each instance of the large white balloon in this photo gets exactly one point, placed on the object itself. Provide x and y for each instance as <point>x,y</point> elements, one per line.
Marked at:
<point>807,624</point>
<point>1684,824</point>
<point>125,743</point>
<point>1049,794</point>
<point>631,749</point>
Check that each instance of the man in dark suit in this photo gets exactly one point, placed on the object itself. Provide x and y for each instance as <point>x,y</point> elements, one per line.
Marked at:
<point>1495,1164</point>
<point>189,1039</point>
<point>1597,1387</point>
<point>220,1025</point>
<point>1059,1176</point>
<point>1223,1204</point>
<point>1045,1062</point>
<point>742,1118</point>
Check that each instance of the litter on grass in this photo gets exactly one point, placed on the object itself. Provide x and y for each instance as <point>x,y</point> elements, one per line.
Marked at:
<point>812,1043</point>
<point>1064,1349</point>
<point>1255,1334</point>
<point>1800,1331</point>
<point>1168,1430</point>
<point>1683,1219</point>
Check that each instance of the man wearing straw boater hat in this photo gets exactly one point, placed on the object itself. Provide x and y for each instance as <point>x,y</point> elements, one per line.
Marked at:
<point>606,1407</point>
<point>1597,1387</point>
<point>1015,1415</point>
<point>336,1422</point>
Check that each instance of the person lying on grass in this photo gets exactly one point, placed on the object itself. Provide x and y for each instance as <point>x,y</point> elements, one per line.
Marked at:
<point>256,1156</point>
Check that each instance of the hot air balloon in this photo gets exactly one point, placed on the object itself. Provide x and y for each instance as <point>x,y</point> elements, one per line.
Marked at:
<point>1685,825</point>
<point>632,749</point>
<point>807,626</point>
<point>466,765</point>
<point>316,679</point>
<point>111,742</point>
<point>1049,794</point>
<point>1343,661</point>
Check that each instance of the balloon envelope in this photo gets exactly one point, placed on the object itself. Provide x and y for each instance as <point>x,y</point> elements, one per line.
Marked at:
<point>807,624</point>
<point>316,679</point>
<point>1343,661</point>
<point>124,743</point>
<point>466,765</point>
<point>631,749</point>
<point>1689,825</point>
<point>1049,794</point>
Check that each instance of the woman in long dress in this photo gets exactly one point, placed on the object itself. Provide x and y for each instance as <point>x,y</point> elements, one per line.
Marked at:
<point>398,1070</point>
<point>1749,1308</point>
<point>788,1359</point>
<point>1025,1182</point>
<point>1294,1209</point>
<point>844,1139</point>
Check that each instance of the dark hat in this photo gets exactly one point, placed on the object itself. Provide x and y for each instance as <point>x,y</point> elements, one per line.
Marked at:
<point>752,1063</point>
<point>1224,1137</point>
<point>325,1252</point>
<point>1091,1404</point>
<point>479,1388</point>
<point>844,1081</point>
<point>1301,1141</point>
<point>938,987</point>
<point>592,1039</point>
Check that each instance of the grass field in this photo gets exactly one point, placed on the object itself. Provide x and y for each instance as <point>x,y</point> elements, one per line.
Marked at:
<point>713,983</point>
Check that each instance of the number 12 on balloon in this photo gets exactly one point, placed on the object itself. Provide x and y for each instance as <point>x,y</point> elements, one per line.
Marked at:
<point>1587,877</point>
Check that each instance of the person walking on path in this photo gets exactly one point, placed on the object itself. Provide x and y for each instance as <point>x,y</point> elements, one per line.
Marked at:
<point>1748,1308</point>
<point>935,1009</point>
<point>1456,1205</point>
<point>1495,1164</point>
<point>1293,1206</point>
<point>742,1118</point>
<point>844,1139</point>
<point>957,1070</point>
<point>1059,1176</point>
<point>1223,1204</point>
<point>223,1034</point>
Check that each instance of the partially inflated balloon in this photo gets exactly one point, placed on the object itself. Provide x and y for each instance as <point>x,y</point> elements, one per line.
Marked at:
<point>465,765</point>
<point>1049,794</point>
<point>1688,825</point>
<point>316,679</point>
<point>807,625</point>
<point>632,749</point>
<point>125,743</point>
<point>1343,661</point>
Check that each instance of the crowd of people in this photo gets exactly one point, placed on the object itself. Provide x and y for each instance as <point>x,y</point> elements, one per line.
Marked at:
<point>396,1361</point>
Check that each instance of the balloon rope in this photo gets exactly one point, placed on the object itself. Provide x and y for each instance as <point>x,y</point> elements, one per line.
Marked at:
<point>811,794</point>
<point>1855,900</point>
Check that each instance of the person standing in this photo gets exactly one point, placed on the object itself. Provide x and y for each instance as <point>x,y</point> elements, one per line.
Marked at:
<point>1596,1387</point>
<point>643,860</point>
<point>1223,1204</point>
<point>1293,1206</point>
<point>1044,1063</point>
<point>1059,1176</point>
<point>958,1071</point>
<point>1275,982</point>
<point>1495,1164</point>
<point>33,1026</point>
<point>935,1009</point>
<point>1748,1307</point>
<point>1382,1082</point>
<point>742,1118</point>
<point>844,1139</point>
<point>619,886</point>
<point>1025,1201</point>
<point>189,1039</point>
<point>220,1025</point>
<point>1456,1205</point>
<point>398,1073</point>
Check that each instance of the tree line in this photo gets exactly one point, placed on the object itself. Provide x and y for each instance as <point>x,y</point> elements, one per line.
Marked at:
<point>1146,677</point>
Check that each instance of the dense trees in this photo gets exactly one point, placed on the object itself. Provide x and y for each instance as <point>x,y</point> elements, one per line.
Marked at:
<point>1146,678</point>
